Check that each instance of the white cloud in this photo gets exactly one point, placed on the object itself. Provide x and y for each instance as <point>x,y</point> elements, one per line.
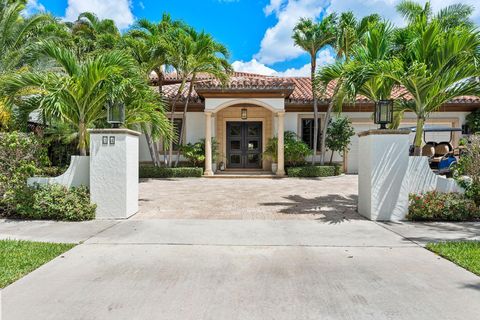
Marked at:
<point>32,7</point>
<point>324,57</point>
<point>277,44</point>
<point>386,8</point>
<point>119,11</point>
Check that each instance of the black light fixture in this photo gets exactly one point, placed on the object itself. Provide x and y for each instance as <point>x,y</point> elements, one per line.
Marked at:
<point>116,113</point>
<point>244,114</point>
<point>383,113</point>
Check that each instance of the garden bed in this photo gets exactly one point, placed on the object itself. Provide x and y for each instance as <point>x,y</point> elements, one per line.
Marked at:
<point>18,258</point>
<point>150,171</point>
<point>465,253</point>
<point>436,206</point>
<point>314,171</point>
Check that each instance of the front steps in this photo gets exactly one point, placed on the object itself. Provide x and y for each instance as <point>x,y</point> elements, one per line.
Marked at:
<point>246,173</point>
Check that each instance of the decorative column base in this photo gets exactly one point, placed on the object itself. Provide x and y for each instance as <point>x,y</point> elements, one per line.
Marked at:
<point>114,172</point>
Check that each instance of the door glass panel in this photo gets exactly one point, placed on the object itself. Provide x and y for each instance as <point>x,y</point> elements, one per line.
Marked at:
<point>253,131</point>
<point>252,145</point>
<point>235,130</point>
<point>253,158</point>
<point>235,145</point>
<point>235,159</point>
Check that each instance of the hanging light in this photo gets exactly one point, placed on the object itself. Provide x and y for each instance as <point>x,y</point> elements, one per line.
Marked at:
<point>383,113</point>
<point>116,113</point>
<point>244,114</point>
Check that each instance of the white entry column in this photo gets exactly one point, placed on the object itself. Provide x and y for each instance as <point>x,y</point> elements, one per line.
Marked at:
<point>208,144</point>
<point>280,151</point>
<point>382,172</point>
<point>114,172</point>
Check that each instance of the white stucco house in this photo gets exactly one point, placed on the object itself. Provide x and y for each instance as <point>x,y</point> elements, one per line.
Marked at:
<point>252,108</point>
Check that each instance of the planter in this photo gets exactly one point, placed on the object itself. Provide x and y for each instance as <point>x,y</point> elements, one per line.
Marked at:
<point>274,167</point>
<point>214,167</point>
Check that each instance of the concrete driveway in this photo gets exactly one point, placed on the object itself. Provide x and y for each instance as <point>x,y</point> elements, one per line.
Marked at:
<point>245,269</point>
<point>329,199</point>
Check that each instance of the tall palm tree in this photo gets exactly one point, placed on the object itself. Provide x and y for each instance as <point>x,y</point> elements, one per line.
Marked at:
<point>95,33</point>
<point>147,42</point>
<point>349,34</point>
<point>312,37</point>
<point>77,90</point>
<point>194,53</point>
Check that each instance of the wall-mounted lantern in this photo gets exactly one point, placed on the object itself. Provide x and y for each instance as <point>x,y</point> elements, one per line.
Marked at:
<point>116,114</point>
<point>383,113</point>
<point>244,114</point>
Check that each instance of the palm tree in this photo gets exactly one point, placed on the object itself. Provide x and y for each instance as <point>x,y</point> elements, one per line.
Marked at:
<point>17,35</point>
<point>77,90</point>
<point>194,53</point>
<point>349,33</point>
<point>94,33</point>
<point>438,66</point>
<point>312,37</point>
<point>147,43</point>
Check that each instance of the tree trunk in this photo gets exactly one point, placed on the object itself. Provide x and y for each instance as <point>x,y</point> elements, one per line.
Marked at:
<point>315,109</point>
<point>331,158</point>
<point>153,153</point>
<point>419,137</point>
<point>184,117</point>
<point>324,132</point>
<point>82,139</point>
<point>172,122</point>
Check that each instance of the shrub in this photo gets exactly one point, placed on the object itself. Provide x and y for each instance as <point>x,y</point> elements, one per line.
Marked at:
<point>295,150</point>
<point>467,171</point>
<point>160,172</point>
<point>473,121</point>
<point>21,156</point>
<point>195,152</point>
<point>442,207</point>
<point>313,171</point>
<point>339,134</point>
<point>53,202</point>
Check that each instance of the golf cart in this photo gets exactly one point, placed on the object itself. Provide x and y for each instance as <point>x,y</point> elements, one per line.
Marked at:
<point>442,155</point>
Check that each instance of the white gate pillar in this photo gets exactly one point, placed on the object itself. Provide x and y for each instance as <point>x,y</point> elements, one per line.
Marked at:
<point>114,172</point>
<point>382,174</point>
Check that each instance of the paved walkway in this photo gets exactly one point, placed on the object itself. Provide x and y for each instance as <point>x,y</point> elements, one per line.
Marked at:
<point>329,199</point>
<point>243,269</point>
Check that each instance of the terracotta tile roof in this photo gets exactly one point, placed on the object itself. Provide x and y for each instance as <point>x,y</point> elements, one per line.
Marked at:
<point>299,88</point>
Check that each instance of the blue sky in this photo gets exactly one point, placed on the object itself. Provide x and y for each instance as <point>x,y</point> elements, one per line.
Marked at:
<point>257,32</point>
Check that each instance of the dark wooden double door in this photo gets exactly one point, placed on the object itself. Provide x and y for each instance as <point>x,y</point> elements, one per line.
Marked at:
<point>244,145</point>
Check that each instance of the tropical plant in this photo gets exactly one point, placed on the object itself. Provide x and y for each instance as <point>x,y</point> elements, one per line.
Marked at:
<point>467,171</point>
<point>350,33</point>
<point>473,121</point>
<point>195,152</point>
<point>147,44</point>
<point>438,65</point>
<point>312,37</point>
<point>78,89</point>
<point>339,135</point>
<point>196,53</point>
<point>295,150</point>
<point>18,34</point>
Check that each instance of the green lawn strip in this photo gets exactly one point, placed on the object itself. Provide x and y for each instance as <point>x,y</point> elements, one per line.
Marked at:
<point>17,257</point>
<point>464,253</point>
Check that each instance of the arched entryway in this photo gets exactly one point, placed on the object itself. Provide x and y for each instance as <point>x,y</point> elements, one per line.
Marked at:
<point>242,130</point>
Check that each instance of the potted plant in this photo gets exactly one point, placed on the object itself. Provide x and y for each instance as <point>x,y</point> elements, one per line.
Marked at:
<point>271,152</point>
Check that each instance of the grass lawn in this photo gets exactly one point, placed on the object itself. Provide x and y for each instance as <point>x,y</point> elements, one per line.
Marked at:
<point>466,254</point>
<point>17,258</point>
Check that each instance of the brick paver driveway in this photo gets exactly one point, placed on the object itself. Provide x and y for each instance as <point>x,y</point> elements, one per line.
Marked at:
<point>329,199</point>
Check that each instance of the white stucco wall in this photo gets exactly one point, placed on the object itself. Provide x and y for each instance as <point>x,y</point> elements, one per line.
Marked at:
<point>114,173</point>
<point>77,174</point>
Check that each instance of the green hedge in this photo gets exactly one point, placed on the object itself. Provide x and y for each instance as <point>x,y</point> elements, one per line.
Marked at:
<point>159,172</point>
<point>51,202</point>
<point>314,171</point>
<point>436,206</point>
